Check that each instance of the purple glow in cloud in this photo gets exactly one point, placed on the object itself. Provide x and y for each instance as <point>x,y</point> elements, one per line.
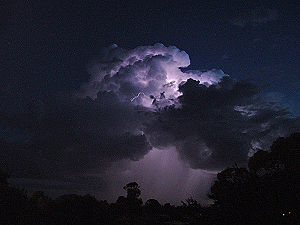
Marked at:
<point>162,175</point>
<point>150,70</point>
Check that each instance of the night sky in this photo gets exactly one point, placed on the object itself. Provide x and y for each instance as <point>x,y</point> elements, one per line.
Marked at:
<point>76,78</point>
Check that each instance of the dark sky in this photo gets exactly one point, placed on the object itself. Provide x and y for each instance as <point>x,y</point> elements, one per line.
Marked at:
<point>56,141</point>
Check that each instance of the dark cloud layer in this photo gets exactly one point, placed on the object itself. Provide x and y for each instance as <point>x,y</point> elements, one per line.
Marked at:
<point>220,124</point>
<point>72,135</point>
<point>210,119</point>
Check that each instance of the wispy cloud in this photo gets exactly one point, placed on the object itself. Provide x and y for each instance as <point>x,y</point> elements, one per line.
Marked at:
<point>255,17</point>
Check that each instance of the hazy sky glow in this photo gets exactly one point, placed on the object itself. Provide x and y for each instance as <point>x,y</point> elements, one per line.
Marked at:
<point>158,173</point>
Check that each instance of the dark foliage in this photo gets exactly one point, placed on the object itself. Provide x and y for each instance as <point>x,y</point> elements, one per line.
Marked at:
<point>269,193</point>
<point>133,190</point>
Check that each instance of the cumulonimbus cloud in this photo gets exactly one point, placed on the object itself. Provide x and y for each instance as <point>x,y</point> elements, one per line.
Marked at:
<point>136,100</point>
<point>141,72</point>
<point>212,119</point>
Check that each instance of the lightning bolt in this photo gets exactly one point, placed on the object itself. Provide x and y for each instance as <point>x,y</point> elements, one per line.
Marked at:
<point>138,95</point>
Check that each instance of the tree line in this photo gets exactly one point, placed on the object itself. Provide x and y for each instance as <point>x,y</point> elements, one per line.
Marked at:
<point>267,192</point>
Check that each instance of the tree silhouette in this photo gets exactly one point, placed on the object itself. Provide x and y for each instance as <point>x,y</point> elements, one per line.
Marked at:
<point>229,183</point>
<point>265,193</point>
<point>13,202</point>
<point>152,206</point>
<point>278,174</point>
<point>133,190</point>
<point>152,203</point>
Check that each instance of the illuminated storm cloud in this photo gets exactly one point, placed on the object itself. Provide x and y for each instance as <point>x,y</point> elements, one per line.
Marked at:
<point>211,120</point>
<point>219,119</point>
<point>144,74</point>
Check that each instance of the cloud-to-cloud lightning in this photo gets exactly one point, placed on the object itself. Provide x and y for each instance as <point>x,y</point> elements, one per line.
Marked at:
<point>138,95</point>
